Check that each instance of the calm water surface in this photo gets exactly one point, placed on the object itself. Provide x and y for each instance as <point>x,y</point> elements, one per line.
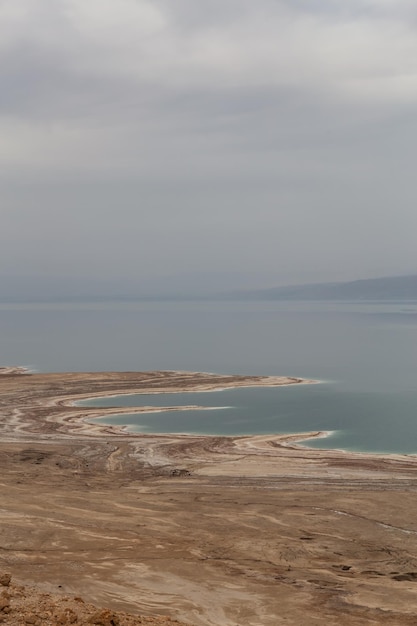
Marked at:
<point>365,354</point>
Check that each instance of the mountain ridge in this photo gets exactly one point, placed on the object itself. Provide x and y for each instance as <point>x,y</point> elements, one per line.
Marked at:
<point>383,288</point>
<point>24,290</point>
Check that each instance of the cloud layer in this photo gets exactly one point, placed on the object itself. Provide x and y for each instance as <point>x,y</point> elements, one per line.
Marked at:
<point>281,132</point>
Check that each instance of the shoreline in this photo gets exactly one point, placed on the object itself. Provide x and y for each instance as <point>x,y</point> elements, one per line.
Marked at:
<point>63,417</point>
<point>296,436</point>
<point>211,530</point>
<point>84,421</point>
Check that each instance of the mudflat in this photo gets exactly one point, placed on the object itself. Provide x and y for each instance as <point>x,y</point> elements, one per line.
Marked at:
<point>224,531</point>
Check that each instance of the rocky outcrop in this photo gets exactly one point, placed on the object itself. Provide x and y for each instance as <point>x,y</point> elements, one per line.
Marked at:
<point>27,606</point>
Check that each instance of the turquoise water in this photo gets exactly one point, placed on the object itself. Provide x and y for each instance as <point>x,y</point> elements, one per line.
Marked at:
<point>365,353</point>
<point>354,417</point>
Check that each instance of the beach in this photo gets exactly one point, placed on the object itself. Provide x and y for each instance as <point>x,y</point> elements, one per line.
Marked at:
<point>254,530</point>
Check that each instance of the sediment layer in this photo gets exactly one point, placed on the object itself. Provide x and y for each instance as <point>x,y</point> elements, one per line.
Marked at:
<point>208,530</point>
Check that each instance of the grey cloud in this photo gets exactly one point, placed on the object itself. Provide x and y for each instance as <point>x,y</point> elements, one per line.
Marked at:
<point>221,48</point>
<point>139,136</point>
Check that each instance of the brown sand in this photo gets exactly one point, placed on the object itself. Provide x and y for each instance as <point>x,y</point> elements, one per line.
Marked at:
<point>221,531</point>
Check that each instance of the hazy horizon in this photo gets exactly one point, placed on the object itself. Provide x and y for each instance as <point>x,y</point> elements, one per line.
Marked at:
<point>197,285</point>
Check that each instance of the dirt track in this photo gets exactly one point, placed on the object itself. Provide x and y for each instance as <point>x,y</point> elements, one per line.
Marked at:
<point>210,530</point>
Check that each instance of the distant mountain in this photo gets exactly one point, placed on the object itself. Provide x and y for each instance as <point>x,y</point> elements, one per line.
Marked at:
<point>199,287</point>
<point>388,288</point>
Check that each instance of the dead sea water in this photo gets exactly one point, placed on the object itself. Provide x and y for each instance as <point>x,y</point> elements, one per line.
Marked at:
<point>365,354</point>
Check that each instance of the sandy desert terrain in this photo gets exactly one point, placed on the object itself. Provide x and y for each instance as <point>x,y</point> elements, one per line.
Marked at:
<point>98,524</point>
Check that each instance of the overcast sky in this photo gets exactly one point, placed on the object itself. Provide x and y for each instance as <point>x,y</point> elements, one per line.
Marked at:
<point>144,139</point>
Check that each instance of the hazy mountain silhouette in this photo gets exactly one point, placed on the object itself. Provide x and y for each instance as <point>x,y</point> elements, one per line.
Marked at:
<point>387,288</point>
<point>198,287</point>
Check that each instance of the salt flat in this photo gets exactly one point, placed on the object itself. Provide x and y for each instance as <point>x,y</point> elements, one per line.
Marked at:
<point>209,530</point>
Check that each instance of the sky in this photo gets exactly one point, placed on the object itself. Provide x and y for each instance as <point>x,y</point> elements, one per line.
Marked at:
<point>219,142</point>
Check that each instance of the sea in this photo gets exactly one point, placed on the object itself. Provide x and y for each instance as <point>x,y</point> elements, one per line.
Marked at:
<point>363,353</point>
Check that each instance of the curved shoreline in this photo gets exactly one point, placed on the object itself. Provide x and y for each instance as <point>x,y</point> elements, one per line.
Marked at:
<point>54,412</point>
<point>214,530</point>
<point>56,396</point>
<point>61,415</point>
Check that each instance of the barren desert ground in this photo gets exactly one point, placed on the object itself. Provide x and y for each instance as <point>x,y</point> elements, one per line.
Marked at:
<point>219,531</point>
